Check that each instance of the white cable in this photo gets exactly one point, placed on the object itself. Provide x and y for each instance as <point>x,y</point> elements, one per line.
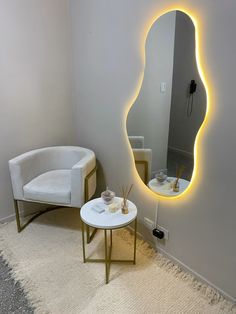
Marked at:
<point>156,214</point>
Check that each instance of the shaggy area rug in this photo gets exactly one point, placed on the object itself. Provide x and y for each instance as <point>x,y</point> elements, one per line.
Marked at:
<point>47,260</point>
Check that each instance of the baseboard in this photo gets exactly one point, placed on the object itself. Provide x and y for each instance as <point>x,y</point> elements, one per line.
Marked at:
<point>186,268</point>
<point>139,235</point>
<point>7,219</point>
<point>195,274</point>
<point>180,151</point>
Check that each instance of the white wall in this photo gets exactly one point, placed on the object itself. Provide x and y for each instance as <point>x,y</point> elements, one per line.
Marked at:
<point>35,102</point>
<point>183,129</point>
<point>109,41</point>
<point>150,114</point>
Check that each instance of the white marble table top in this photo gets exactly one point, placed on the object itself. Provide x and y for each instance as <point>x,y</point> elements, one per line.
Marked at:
<point>165,188</point>
<point>106,219</point>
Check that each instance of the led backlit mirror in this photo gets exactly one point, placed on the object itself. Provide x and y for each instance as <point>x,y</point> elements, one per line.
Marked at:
<point>164,120</point>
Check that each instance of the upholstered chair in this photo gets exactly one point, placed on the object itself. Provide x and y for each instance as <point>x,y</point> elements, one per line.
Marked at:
<point>64,176</point>
<point>143,163</point>
<point>136,141</point>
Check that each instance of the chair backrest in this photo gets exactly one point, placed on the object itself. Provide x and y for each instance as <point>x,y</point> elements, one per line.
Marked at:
<point>27,166</point>
<point>143,162</point>
<point>136,141</point>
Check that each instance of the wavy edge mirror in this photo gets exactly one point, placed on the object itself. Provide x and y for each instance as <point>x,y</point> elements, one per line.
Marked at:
<point>196,174</point>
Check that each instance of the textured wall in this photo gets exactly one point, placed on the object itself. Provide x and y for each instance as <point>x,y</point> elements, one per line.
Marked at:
<point>108,46</point>
<point>35,102</point>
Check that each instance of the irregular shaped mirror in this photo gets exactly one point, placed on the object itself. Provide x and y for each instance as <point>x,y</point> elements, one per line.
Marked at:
<point>164,120</point>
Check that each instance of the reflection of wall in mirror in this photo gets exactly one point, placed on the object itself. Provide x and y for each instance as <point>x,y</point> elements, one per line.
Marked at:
<point>149,115</point>
<point>183,129</point>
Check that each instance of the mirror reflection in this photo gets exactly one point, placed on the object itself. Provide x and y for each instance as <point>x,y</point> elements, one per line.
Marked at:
<point>164,120</point>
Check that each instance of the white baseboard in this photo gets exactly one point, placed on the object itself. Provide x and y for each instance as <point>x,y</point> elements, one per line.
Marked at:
<point>186,268</point>
<point>180,151</point>
<point>195,274</point>
<point>7,219</point>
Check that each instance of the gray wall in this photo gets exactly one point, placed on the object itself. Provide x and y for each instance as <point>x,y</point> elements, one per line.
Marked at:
<point>183,129</point>
<point>150,114</point>
<point>108,63</point>
<point>35,101</point>
<point>109,39</point>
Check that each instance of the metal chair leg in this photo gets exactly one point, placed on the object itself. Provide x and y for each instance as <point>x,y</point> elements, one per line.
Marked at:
<point>17,216</point>
<point>21,227</point>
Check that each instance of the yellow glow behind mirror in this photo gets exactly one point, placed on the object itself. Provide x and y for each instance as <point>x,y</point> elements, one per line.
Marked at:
<point>196,175</point>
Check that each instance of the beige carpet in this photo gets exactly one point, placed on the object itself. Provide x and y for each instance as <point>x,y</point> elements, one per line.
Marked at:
<point>47,259</point>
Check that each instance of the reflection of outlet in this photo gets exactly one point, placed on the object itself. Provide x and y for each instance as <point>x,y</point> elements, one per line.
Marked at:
<point>149,223</point>
<point>166,232</point>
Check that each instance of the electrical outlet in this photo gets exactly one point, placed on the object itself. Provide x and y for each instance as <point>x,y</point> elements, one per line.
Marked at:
<point>149,223</point>
<point>163,87</point>
<point>166,232</point>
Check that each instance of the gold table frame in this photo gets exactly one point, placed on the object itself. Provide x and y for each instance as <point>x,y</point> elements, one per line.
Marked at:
<point>108,251</point>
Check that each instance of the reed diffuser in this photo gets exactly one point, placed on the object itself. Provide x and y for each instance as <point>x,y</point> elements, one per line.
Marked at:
<point>125,191</point>
<point>179,172</point>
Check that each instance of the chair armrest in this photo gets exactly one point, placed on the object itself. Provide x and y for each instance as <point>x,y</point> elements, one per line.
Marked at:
<point>22,169</point>
<point>78,174</point>
<point>143,161</point>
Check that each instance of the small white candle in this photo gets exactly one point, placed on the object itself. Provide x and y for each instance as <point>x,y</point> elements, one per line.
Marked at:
<point>113,207</point>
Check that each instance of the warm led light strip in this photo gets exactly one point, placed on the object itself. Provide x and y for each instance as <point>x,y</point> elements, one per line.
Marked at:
<point>197,148</point>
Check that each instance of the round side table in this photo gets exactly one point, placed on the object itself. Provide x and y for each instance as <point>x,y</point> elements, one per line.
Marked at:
<point>107,221</point>
<point>165,189</point>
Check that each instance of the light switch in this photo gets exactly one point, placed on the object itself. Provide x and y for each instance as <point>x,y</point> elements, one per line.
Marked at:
<point>163,87</point>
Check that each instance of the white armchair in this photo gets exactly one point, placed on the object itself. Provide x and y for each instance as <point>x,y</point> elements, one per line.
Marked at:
<point>136,141</point>
<point>61,175</point>
<point>143,162</point>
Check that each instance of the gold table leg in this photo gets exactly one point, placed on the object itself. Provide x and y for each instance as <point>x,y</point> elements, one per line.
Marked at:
<point>84,259</point>
<point>90,237</point>
<point>108,251</point>
<point>106,256</point>
<point>135,239</point>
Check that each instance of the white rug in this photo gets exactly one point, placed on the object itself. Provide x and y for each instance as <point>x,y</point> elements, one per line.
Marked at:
<point>47,259</point>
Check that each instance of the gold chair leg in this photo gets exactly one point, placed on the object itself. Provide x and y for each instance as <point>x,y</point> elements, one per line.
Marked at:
<point>86,199</point>
<point>17,216</point>
<point>21,227</point>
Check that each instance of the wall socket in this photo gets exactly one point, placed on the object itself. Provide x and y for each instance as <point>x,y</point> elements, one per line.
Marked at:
<point>166,232</point>
<point>151,225</point>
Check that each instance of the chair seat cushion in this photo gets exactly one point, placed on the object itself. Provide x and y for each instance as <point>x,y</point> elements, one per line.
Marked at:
<point>50,187</point>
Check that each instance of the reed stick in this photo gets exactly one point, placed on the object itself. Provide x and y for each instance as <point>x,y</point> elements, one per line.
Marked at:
<point>125,190</point>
